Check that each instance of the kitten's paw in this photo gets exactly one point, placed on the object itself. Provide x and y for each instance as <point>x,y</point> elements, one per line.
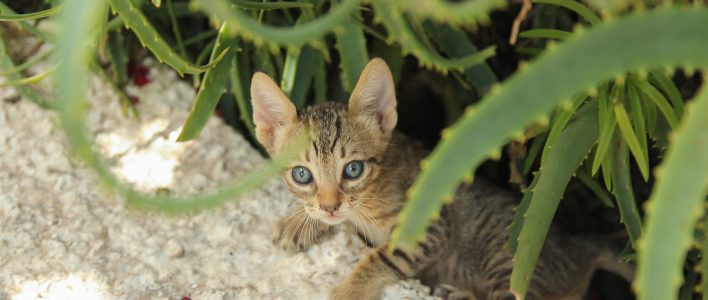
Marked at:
<point>448,292</point>
<point>298,234</point>
<point>347,291</point>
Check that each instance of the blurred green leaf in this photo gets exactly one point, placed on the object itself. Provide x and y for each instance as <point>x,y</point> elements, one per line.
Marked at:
<point>212,87</point>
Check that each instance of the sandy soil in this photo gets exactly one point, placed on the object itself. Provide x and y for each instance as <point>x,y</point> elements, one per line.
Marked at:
<point>62,236</point>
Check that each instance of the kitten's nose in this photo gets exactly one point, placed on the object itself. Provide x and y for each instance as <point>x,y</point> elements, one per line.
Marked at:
<point>329,208</point>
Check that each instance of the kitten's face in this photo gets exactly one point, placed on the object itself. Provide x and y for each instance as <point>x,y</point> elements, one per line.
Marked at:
<point>345,143</point>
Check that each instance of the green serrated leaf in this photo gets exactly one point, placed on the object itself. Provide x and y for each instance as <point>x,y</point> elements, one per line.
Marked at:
<point>212,87</point>
<point>575,6</point>
<point>664,82</point>
<point>607,127</point>
<point>134,19</point>
<point>655,96</point>
<point>9,15</point>
<point>622,189</point>
<point>518,222</point>
<point>353,56</point>
<point>638,121</point>
<point>564,157</point>
<point>631,139</point>
<point>676,203</point>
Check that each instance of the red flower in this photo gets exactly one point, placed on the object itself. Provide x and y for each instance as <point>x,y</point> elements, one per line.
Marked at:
<point>138,73</point>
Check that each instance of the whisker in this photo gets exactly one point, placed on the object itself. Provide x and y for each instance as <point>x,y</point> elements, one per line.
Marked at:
<point>291,234</point>
<point>294,214</point>
<point>365,229</point>
<point>368,214</point>
<point>297,229</point>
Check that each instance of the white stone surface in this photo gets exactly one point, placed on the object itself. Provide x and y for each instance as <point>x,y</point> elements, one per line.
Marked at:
<point>62,236</point>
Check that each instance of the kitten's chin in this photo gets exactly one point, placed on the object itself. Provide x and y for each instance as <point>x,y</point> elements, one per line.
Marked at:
<point>332,220</point>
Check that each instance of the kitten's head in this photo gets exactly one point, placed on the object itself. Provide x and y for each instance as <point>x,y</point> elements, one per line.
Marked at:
<point>346,142</point>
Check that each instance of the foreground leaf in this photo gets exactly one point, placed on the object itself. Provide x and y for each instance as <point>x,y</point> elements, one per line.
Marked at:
<point>675,205</point>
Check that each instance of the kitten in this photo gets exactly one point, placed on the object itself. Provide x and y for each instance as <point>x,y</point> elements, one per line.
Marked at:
<point>357,169</point>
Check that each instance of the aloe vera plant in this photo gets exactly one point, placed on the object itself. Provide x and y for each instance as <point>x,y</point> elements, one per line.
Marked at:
<point>598,101</point>
<point>467,142</point>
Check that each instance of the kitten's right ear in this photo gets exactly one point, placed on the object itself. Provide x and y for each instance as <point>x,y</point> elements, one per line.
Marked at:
<point>374,96</point>
<point>272,110</point>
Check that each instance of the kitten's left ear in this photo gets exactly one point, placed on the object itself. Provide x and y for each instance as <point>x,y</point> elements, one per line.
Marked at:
<point>272,110</point>
<point>375,96</point>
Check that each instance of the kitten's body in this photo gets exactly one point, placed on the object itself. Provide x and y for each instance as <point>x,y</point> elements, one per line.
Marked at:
<point>464,247</point>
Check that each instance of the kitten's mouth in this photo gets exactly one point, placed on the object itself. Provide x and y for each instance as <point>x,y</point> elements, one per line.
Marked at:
<point>331,219</point>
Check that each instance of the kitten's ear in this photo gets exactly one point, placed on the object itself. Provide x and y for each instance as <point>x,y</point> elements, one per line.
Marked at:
<point>375,95</point>
<point>272,110</point>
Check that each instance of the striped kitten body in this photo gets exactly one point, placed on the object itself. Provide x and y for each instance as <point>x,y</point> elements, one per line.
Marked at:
<point>357,169</point>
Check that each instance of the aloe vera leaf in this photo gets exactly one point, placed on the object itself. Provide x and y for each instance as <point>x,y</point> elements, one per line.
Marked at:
<point>78,20</point>
<point>201,57</point>
<point>658,99</point>
<point>179,9</point>
<point>416,26</point>
<point>631,139</point>
<point>126,105</point>
<point>320,79</point>
<point>309,58</point>
<point>29,27</point>
<point>456,44</point>
<point>263,62</point>
<point>607,169</point>
<point>118,57</point>
<point>598,190</point>
<point>290,67</point>
<point>660,79</point>
<point>260,34</point>
<point>287,80</point>
<point>149,37</point>
<point>239,84</point>
<point>622,189</point>
<point>34,79</point>
<point>530,94</point>
<point>575,6</point>
<point>519,212</point>
<point>353,56</point>
<point>638,121</point>
<point>212,87</point>
<point>564,157</point>
<point>398,30</point>
<point>271,5</point>
<point>546,34</point>
<point>675,205</point>
<point>607,129</point>
<point>8,15</point>
<point>535,148</point>
<point>467,12</point>
<point>6,63</point>
<point>650,111</point>
<point>175,27</point>
<point>28,63</point>
<point>560,121</point>
<point>199,37</point>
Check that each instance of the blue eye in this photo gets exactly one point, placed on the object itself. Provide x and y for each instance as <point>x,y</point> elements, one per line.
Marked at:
<point>353,169</point>
<point>301,175</point>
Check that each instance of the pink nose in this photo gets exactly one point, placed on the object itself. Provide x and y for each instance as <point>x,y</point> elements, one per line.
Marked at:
<point>329,208</point>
